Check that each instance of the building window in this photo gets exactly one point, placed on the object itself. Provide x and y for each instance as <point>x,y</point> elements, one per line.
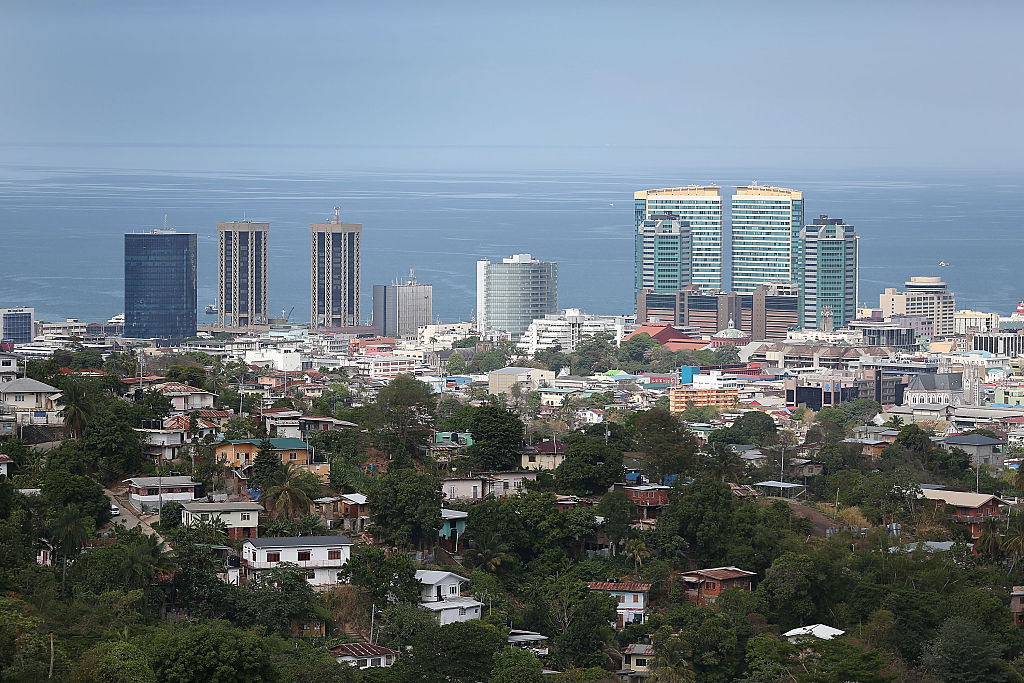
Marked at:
<point>622,598</point>
<point>640,662</point>
<point>303,556</point>
<point>452,590</point>
<point>462,611</point>
<point>274,557</point>
<point>333,554</point>
<point>245,516</point>
<point>293,456</point>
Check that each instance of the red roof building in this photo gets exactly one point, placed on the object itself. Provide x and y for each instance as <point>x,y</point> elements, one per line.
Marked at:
<point>703,586</point>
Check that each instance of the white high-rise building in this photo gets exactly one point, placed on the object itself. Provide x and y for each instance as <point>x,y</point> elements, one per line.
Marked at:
<point>566,329</point>
<point>766,224</point>
<point>700,207</point>
<point>513,293</point>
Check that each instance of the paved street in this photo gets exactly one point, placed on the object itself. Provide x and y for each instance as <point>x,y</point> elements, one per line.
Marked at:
<point>128,517</point>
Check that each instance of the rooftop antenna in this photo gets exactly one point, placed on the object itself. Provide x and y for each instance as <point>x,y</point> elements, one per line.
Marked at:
<point>336,218</point>
<point>165,221</point>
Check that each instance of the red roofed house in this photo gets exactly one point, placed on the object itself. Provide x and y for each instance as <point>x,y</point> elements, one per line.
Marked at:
<point>651,499</point>
<point>5,463</point>
<point>669,337</point>
<point>364,655</point>
<point>632,597</point>
<point>703,586</point>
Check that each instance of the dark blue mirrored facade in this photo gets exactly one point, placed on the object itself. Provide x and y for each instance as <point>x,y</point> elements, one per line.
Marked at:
<point>160,285</point>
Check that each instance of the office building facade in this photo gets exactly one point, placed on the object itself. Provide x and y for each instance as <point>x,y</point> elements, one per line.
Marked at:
<point>662,254</point>
<point>567,329</point>
<point>701,208</point>
<point>17,324</point>
<point>160,285</point>
<point>924,296</point>
<point>400,309</point>
<point>513,293</point>
<point>829,271</point>
<point>335,264</point>
<point>767,313</point>
<point>242,274</point>
<point>766,224</point>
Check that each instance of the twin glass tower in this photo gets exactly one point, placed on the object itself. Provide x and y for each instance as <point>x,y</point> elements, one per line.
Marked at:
<point>680,241</point>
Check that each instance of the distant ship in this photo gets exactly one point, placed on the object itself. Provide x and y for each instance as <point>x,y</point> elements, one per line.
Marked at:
<point>211,309</point>
<point>943,264</point>
<point>1019,313</point>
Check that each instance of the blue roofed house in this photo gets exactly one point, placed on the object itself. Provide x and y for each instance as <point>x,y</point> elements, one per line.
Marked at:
<point>453,527</point>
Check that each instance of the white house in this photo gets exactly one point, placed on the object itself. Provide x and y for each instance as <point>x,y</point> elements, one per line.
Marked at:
<point>632,598</point>
<point>465,488</point>
<point>321,556</point>
<point>184,398</point>
<point>241,518</point>
<point>147,493</point>
<point>590,416</point>
<point>5,464</point>
<point>510,483</point>
<point>33,402</point>
<point>442,596</point>
<point>8,367</point>
<point>364,655</point>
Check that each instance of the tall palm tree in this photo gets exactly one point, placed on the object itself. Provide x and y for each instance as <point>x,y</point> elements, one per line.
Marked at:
<point>988,542</point>
<point>638,550</point>
<point>724,462</point>
<point>292,493</point>
<point>77,408</point>
<point>894,422</point>
<point>69,534</point>
<point>144,558</point>
<point>1013,539</point>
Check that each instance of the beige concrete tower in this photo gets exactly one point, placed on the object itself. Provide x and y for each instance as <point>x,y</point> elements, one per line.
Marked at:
<point>242,274</point>
<point>334,272</point>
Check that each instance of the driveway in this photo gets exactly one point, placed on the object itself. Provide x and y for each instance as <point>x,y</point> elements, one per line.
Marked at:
<point>128,517</point>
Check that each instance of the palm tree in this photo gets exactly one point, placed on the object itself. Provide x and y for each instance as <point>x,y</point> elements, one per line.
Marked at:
<point>894,422</point>
<point>638,550</point>
<point>489,552</point>
<point>988,542</point>
<point>292,493</point>
<point>724,461</point>
<point>77,408</point>
<point>69,534</point>
<point>1018,479</point>
<point>144,558</point>
<point>1013,539</point>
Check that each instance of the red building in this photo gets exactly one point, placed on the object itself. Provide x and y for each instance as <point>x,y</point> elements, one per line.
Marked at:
<point>651,499</point>
<point>703,586</point>
<point>972,509</point>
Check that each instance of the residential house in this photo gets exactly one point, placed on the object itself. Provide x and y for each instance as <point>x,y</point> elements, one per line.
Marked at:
<point>442,596</point>
<point>8,367</point>
<point>347,511</point>
<point>241,518</point>
<point>453,527</point>
<point>803,634</point>
<point>509,483</point>
<point>637,662</point>
<point>972,509</point>
<point>526,379</point>
<point>1017,605</point>
<point>632,597</point>
<point>239,456</point>
<point>321,556</point>
<point>185,399</point>
<point>984,450</point>
<point>6,463</point>
<point>546,455</point>
<point>552,398</point>
<point>871,448</point>
<point>465,488</point>
<point>149,493</point>
<point>31,401</point>
<point>529,640</point>
<point>650,499</point>
<point>703,586</point>
<point>162,444</point>
<point>590,416</point>
<point>364,655</point>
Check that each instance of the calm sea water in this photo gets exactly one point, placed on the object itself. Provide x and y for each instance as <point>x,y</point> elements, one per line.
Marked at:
<point>61,231</point>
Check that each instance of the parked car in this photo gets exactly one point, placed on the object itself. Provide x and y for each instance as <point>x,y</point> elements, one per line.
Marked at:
<point>114,510</point>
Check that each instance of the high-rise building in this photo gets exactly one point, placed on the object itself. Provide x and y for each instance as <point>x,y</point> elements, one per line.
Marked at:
<point>242,273</point>
<point>513,293</point>
<point>16,324</point>
<point>829,270</point>
<point>400,309</point>
<point>160,284</point>
<point>701,207</point>
<point>662,254</point>
<point>925,296</point>
<point>335,272</point>
<point>766,223</point>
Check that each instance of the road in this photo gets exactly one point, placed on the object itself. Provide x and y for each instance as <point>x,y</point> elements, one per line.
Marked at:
<point>128,517</point>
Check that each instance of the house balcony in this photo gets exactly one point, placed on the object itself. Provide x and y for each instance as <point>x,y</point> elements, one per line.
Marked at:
<point>309,564</point>
<point>978,519</point>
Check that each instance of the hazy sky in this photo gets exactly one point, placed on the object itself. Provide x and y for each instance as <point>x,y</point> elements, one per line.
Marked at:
<point>525,85</point>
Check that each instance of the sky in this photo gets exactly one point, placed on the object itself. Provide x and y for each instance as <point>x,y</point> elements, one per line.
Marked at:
<point>539,85</point>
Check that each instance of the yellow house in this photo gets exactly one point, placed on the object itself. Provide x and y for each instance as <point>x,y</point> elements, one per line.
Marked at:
<point>241,454</point>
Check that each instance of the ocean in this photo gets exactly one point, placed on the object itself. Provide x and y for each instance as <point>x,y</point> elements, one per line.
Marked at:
<point>61,244</point>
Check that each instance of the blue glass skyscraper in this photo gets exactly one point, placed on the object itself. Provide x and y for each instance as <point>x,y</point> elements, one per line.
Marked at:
<point>160,285</point>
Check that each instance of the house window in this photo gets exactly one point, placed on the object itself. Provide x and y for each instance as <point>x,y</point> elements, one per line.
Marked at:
<point>375,661</point>
<point>293,456</point>
<point>533,458</point>
<point>245,516</point>
<point>505,485</point>
<point>152,492</point>
<point>640,662</point>
<point>622,598</point>
<point>303,556</point>
<point>333,554</point>
<point>636,598</point>
<point>451,491</point>
<point>462,611</point>
<point>274,557</point>
<point>452,590</point>
<point>19,398</point>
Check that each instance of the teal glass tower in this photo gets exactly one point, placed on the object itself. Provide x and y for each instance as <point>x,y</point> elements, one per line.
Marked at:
<point>662,254</point>
<point>160,285</point>
<point>766,224</point>
<point>701,208</point>
<point>829,268</point>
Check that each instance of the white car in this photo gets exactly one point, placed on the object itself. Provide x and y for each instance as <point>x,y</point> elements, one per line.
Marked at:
<point>114,510</point>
